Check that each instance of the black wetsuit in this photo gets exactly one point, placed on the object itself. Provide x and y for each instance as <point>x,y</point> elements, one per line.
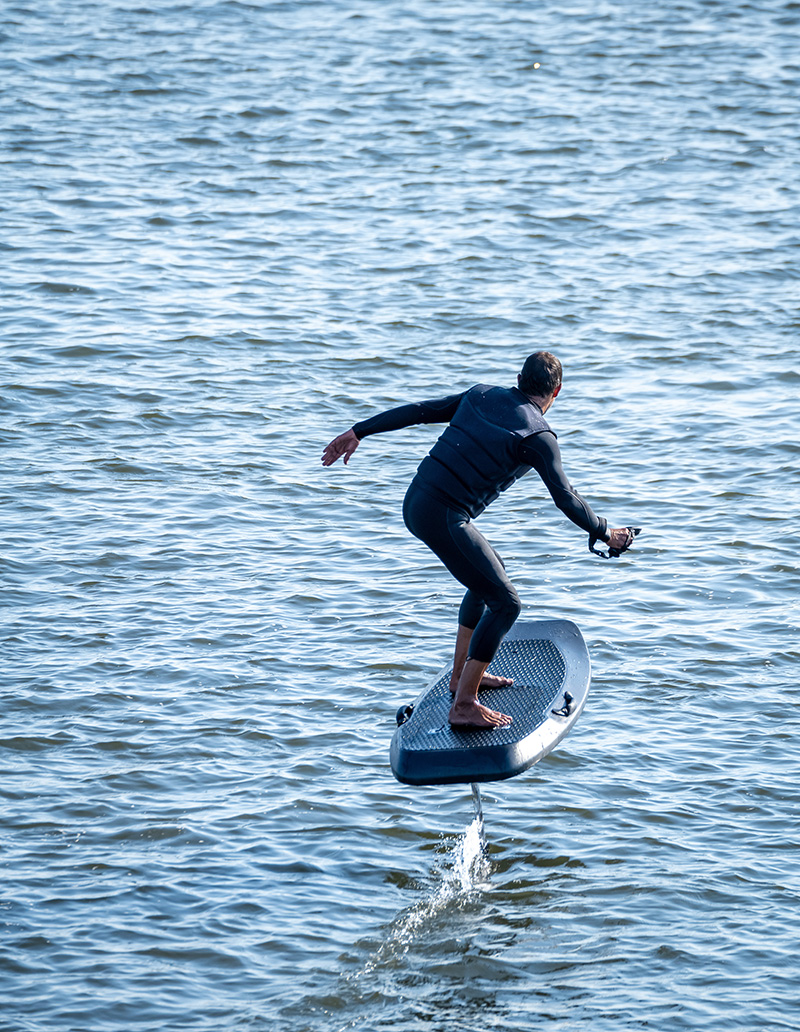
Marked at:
<point>495,436</point>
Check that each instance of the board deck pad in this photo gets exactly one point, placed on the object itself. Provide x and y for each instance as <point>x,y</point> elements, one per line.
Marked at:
<point>549,663</point>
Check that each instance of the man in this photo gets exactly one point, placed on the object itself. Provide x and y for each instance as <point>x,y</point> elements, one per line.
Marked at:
<point>495,435</point>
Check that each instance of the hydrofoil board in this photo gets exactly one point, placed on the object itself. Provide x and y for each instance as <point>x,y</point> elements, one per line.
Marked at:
<point>549,663</point>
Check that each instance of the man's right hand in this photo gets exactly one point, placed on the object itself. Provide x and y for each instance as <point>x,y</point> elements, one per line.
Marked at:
<point>342,446</point>
<point>620,539</point>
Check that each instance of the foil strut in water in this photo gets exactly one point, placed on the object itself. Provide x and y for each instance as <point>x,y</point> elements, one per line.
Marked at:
<point>476,799</point>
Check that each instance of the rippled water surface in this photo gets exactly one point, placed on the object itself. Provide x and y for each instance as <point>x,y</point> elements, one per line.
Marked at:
<point>232,229</point>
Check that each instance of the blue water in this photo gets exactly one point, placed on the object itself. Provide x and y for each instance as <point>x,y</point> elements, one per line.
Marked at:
<point>232,229</point>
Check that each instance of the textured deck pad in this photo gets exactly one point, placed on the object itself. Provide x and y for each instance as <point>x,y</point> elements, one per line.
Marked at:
<point>546,659</point>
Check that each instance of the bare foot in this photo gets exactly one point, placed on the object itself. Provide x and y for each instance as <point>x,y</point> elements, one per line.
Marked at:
<point>474,715</point>
<point>496,681</point>
<point>487,681</point>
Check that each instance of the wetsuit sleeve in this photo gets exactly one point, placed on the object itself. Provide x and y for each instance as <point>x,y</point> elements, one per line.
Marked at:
<point>441,410</point>
<point>542,452</point>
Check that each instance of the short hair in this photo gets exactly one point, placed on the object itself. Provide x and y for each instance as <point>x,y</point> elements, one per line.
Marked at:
<point>541,375</point>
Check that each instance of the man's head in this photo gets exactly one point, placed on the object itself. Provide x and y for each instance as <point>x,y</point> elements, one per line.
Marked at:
<point>540,376</point>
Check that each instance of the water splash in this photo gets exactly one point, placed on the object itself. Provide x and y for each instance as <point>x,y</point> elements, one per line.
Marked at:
<point>461,875</point>
<point>470,864</point>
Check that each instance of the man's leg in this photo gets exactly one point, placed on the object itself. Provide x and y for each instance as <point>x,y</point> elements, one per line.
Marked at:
<point>466,711</point>
<point>472,561</point>
<point>490,607</point>
<point>463,638</point>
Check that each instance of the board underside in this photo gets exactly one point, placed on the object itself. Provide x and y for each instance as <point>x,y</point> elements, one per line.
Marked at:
<point>546,659</point>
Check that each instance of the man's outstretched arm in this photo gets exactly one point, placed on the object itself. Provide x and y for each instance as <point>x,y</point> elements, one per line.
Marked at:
<point>440,410</point>
<point>542,452</point>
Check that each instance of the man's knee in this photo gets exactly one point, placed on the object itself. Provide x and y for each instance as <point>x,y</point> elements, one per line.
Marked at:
<point>506,605</point>
<point>514,606</point>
